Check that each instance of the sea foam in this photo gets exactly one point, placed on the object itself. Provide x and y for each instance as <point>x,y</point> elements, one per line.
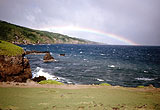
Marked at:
<point>40,72</point>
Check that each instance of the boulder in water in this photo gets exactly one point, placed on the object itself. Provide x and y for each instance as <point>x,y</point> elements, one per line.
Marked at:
<point>48,58</point>
<point>62,54</point>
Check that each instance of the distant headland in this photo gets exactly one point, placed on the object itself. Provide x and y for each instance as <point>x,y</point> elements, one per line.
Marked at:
<point>22,35</point>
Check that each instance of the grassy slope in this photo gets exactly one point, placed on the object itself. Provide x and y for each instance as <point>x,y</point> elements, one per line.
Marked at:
<point>9,49</point>
<point>10,32</point>
<point>106,98</point>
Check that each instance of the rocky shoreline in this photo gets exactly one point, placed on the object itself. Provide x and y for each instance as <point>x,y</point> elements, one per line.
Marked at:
<point>17,68</point>
<point>14,66</point>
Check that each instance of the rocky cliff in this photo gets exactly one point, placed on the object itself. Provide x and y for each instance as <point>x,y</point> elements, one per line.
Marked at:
<point>13,67</point>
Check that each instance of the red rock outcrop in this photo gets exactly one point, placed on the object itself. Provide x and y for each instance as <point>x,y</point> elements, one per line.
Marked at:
<point>14,68</point>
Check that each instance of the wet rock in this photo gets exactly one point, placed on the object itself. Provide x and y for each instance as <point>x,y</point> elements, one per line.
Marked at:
<point>38,79</point>
<point>62,54</point>
<point>48,58</point>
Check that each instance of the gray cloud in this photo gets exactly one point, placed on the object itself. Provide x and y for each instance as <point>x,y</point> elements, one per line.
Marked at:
<point>136,20</point>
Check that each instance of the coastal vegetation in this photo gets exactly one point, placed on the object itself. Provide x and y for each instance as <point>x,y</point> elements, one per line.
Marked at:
<point>50,82</point>
<point>104,84</point>
<point>10,49</point>
<point>22,35</point>
<point>140,86</point>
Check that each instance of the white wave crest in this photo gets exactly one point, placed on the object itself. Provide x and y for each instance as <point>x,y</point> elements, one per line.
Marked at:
<point>99,79</point>
<point>102,54</point>
<point>40,72</point>
<point>111,66</point>
<point>145,71</point>
<point>145,79</point>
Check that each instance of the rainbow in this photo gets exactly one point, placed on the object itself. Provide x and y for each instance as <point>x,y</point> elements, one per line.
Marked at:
<point>88,30</point>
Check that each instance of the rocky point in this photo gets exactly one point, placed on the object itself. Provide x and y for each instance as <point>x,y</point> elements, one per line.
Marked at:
<point>13,67</point>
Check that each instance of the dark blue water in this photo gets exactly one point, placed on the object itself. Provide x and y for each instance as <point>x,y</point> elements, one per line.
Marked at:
<point>129,66</point>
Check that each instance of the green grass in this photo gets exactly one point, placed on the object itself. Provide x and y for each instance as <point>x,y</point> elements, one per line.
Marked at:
<point>50,82</point>
<point>106,98</point>
<point>9,49</point>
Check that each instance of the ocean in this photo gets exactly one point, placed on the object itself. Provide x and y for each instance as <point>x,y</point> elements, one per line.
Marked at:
<point>128,66</point>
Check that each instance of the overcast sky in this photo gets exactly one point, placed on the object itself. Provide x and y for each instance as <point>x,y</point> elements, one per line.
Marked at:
<point>135,20</point>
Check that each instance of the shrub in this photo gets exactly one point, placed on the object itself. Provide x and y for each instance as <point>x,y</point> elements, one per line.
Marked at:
<point>50,82</point>
<point>140,86</point>
<point>104,84</point>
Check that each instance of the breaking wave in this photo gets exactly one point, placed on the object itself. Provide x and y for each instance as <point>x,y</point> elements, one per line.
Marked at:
<point>40,72</point>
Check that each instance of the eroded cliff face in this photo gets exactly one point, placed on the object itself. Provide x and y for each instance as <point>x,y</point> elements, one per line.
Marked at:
<point>14,68</point>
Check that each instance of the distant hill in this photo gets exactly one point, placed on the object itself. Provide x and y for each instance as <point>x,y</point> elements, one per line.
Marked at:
<point>22,35</point>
